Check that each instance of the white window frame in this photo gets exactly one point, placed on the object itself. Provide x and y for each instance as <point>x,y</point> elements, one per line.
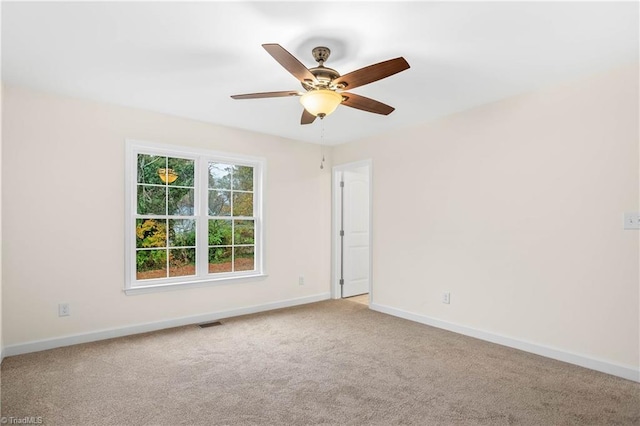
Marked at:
<point>201,158</point>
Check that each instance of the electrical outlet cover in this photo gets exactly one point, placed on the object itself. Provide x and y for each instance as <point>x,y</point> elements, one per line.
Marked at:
<point>632,220</point>
<point>63,310</point>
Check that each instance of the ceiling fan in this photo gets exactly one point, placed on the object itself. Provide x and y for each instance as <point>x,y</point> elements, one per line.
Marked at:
<point>325,87</point>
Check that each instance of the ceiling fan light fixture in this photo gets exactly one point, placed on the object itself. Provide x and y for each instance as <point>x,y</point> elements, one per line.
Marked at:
<point>321,102</point>
<point>167,175</point>
<point>324,86</point>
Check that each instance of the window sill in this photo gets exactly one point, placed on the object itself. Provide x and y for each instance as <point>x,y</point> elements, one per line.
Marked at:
<point>190,284</point>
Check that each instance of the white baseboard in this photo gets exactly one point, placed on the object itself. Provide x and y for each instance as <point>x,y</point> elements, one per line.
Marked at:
<point>57,342</point>
<point>626,372</point>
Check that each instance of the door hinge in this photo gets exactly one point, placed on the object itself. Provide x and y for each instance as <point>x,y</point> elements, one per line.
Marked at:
<point>342,184</point>
<point>342,233</point>
<point>341,281</point>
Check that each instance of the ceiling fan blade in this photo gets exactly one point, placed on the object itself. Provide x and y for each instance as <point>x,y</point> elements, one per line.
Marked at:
<point>266,95</point>
<point>366,104</point>
<point>290,63</point>
<point>307,117</point>
<point>372,73</point>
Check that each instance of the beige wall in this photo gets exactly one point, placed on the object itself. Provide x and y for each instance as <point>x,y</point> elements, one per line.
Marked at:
<point>63,216</point>
<point>1,334</point>
<point>516,208</point>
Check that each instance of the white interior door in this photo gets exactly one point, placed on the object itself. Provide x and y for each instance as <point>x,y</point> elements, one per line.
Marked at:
<point>355,226</point>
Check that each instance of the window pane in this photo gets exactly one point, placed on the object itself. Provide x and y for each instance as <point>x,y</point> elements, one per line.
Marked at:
<point>152,200</point>
<point>148,166</point>
<point>151,233</point>
<point>182,232</point>
<point>220,176</point>
<point>243,178</point>
<point>219,259</point>
<point>181,201</point>
<point>244,259</point>
<point>244,232</point>
<point>151,264</point>
<point>182,262</point>
<point>219,203</point>
<point>220,232</point>
<point>183,170</point>
<point>243,204</point>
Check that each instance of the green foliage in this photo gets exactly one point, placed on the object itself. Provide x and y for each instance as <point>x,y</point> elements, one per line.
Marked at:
<point>242,178</point>
<point>152,200</point>
<point>151,233</point>
<point>184,169</point>
<point>148,166</point>
<point>243,204</point>
<point>182,232</point>
<point>219,254</point>
<point>220,234</point>
<point>152,191</point>
<point>181,201</point>
<point>151,260</point>
<point>244,232</point>
<point>219,203</point>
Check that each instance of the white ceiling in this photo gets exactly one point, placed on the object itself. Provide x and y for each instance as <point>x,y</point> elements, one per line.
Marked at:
<point>186,59</point>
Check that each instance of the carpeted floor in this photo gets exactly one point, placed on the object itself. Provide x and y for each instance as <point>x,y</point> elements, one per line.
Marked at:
<point>333,363</point>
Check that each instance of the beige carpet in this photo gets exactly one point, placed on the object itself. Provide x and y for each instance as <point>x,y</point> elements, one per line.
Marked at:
<point>332,363</point>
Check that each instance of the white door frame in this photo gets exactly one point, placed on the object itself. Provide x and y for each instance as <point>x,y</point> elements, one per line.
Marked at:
<point>335,225</point>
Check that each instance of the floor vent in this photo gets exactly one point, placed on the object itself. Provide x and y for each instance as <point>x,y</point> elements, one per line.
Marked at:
<point>209,324</point>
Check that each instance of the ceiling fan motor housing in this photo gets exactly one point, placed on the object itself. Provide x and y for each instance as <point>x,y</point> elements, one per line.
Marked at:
<point>323,74</point>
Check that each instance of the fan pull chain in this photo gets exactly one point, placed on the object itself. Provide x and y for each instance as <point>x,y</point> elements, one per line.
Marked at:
<point>322,144</point>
